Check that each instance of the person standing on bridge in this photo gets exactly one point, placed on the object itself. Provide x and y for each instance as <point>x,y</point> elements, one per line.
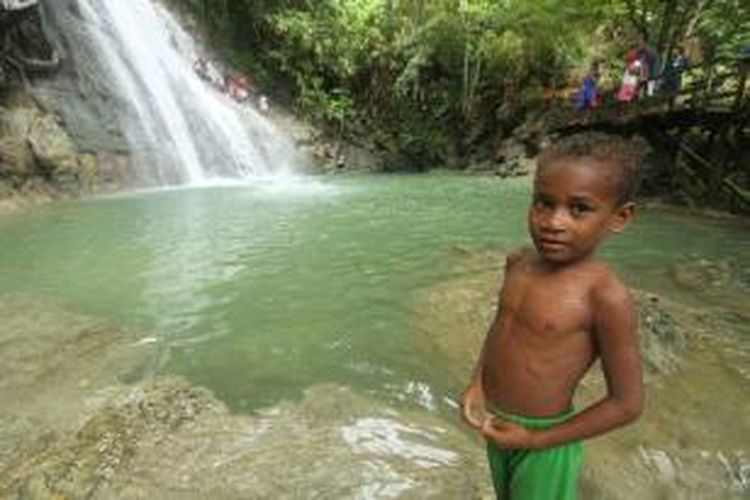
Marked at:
<point>630,80</point>
<point>651,67</point>
<point>673,70</point>
<point>588,98</point>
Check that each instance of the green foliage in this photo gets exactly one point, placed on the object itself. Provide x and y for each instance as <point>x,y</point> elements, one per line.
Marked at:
<point>728,26</point>
<point>719,25</point>
<point>323,50</point>
<point>432,77</point>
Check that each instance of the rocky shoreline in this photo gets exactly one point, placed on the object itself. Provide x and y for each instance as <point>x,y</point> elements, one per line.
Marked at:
<point>84,417</point>
<point>39,161</point>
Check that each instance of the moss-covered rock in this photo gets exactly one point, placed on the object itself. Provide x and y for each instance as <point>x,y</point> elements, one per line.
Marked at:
<point>38,159</point>
<point>16,160</point>
<point>53,150</point>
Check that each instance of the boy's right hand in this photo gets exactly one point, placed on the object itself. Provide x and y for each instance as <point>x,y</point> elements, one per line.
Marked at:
<point>472,407</point>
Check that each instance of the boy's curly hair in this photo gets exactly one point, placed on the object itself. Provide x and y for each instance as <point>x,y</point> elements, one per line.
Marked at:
<point>611,151</point>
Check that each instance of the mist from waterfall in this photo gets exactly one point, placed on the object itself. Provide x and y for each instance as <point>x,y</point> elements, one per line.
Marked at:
<point>186,130</point>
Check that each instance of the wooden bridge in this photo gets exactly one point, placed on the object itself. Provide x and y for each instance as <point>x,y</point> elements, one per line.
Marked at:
<point>705,128</point>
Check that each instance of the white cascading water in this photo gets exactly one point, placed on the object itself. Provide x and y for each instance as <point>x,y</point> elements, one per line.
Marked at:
<point>191,133</point>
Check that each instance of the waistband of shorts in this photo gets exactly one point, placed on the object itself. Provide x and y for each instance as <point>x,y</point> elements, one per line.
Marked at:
<point>531,422</point>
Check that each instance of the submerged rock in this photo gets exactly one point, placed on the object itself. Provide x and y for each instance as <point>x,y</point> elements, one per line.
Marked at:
<point>72,426</point>
<point>166,438</point>
<point>50,351</point>
<point>699,274</point>
<point>57,366</point>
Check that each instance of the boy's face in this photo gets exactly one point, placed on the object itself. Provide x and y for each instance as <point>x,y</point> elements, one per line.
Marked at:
<point>574,207</point>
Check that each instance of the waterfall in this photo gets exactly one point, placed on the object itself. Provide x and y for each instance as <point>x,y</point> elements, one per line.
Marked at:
<point>189,132</point>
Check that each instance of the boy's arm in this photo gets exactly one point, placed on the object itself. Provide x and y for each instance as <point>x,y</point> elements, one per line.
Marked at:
<point>615,327</point>
<point>615,323</point>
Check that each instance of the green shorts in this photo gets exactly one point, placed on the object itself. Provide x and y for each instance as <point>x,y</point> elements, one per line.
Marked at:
<point>548,474</point>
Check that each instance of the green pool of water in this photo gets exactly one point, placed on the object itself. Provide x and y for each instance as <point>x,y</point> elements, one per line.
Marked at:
<point>260,292</point>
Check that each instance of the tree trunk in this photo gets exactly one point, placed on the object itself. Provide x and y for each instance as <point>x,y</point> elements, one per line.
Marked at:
<point>670,8</point>
<point>463,7</point>
<point>693,23</point>
<point>637,16</point>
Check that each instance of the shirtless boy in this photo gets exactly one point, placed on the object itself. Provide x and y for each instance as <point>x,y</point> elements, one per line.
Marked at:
<point>559,310</point>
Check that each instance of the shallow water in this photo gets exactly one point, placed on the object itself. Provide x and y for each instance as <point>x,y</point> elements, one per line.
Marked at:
<point>261,292</point>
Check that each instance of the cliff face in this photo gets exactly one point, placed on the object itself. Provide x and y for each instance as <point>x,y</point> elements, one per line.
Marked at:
<point>79,92</point>
<point>47,51</point>
<point>59,134</point>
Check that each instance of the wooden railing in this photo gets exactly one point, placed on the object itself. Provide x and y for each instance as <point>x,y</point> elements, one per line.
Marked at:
<point>709,177</point>
<point>722,90</point>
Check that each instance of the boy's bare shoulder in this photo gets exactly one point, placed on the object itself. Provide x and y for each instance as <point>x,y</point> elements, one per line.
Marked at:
<point>518,255</point>
<point>608,290</point>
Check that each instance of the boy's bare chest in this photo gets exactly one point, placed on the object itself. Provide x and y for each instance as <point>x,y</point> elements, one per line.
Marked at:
<point>547,306</point>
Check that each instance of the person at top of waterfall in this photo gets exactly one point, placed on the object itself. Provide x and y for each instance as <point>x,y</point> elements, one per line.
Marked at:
<point>588,97</point>
<point>559,310</point>
<point>208,72</point>
<point>239,88</point>
<point>263,104</point>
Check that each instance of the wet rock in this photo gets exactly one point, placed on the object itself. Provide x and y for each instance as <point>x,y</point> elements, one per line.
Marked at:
<point>515,166</point>
<point>16,161</point>
<point>72,427</point>
<point>510,148</point>
<point>651,473</point>
<point>699,274</point>
<point>16,121</point>
<point>54,360</point>
<point>511,159</point>
<point>38,157</point>
<point>88,172</point>
<point>51,147</point>
<point>80,92</point>
<point>166,438</point>
<point>356,157</point>
<point>663,339</point>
